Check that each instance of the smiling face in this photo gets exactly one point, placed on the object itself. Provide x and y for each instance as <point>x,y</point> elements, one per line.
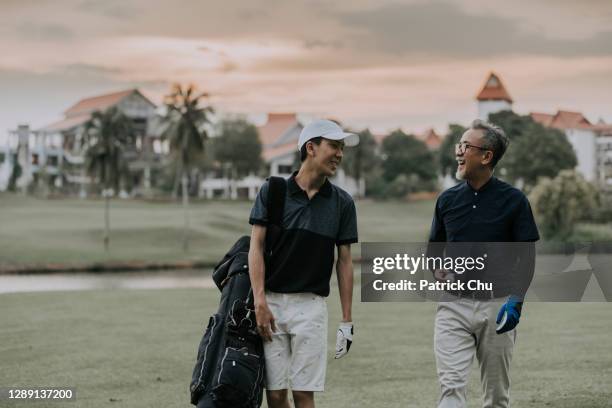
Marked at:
<point>472,158</point>
<point>327,156</point>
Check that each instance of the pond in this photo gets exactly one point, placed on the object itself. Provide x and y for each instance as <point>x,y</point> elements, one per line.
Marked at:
<point>168,279</point>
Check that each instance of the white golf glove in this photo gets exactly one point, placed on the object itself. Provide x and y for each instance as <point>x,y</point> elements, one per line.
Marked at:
<point>344,339</point>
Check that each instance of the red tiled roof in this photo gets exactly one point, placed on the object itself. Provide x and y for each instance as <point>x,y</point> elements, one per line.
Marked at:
<point>81,111</point>
<point>493,89</point>
<point>277,124</point>
<point>570,120</point>
<point>603,128</point>
<point>67,124</point>
<point>100,103</point>
<point>431,138</point>
<point>563,120</point>
<point>543,119</point>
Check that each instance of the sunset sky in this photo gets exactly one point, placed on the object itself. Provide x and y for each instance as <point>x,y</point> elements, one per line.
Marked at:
<point>375,63</point>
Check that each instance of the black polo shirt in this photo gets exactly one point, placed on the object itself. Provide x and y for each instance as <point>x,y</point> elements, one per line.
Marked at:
<point>497,212</point>
<point>303,258</point>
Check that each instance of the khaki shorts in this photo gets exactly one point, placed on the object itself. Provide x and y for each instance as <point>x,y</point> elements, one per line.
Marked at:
<point>296,357</point>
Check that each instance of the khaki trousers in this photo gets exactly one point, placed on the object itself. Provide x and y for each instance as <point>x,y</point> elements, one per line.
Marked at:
<point>464,329</point>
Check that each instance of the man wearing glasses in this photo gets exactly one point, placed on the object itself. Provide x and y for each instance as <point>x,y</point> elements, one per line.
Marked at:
<point>471,323</point>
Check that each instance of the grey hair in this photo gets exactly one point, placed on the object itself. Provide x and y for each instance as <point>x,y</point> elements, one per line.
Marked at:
<point>494,139</point>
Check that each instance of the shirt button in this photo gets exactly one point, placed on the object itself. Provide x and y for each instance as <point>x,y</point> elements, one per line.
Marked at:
<point>475,193</point>
<point>473,206</point>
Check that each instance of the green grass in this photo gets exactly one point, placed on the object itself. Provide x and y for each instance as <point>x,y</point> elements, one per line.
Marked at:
<point>586,232</point>
<point>138,348</point>
<point>69,231</point>
<point>35,231</point>
<point>131,348</point>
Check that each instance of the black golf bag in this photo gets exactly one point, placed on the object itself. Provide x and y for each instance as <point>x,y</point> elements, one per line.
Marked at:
<point>229,370</point>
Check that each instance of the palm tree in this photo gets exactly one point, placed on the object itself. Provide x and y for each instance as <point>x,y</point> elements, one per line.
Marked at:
<point>107,134</point>
<point>185,121</point>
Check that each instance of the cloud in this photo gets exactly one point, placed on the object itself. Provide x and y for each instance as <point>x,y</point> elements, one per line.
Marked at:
<point>44,32</point>
<point>560,19</point>
<point>316,43</point>
<point>445,29</point>
<point>87,70</point>
<point>309,63</point>
<point>252,14</point>
<point>41,98</point>
<point>109,8</point>
<point>384,62</point>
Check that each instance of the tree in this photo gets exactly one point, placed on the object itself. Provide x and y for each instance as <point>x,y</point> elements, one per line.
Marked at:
<point>408,166</point>
<point>560,202</point>
<point>538,152</point>
<point>358,160</point>
<point>446,158</point>
<point>185,121</point>
<point>534,151</point>
<point>238,146</point>
<point>405,154</point>
<point>514,125</point>
<point>106,136</point>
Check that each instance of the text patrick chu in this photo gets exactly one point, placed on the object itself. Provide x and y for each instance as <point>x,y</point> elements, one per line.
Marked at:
<point>453,266</point>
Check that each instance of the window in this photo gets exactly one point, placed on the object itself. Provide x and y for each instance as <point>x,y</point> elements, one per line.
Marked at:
<point>52,161</point>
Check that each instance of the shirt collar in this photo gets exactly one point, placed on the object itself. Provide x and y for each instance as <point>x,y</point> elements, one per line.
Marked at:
<point>486,186</point>
<point>294,188</point>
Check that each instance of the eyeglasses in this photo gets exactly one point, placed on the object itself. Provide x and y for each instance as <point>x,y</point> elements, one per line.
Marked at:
<point>462,147</point>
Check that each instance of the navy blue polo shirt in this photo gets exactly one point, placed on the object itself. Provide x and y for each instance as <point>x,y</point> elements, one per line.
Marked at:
<point>302,259</point>
<point>497,212</point>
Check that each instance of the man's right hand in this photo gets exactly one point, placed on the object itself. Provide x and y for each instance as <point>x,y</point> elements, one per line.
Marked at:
<point>265,321</point>
<point>443,275</point>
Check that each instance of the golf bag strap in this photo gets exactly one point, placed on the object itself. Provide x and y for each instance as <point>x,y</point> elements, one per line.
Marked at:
<point>276,200</point>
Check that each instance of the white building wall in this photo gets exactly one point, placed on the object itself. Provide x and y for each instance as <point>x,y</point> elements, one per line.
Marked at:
<point>604,160</point>
<point>251,183</point>
<point>584,144</point>
<point>347,183</point>
<point>284,161</point>
<point>24,157</point>
<point>487,107</point>
<point>6,167</point>
<point>136,106</point>
<point>447,181</point>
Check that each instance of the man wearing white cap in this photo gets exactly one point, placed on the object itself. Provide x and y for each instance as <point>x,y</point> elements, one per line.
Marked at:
<point>290,287</point>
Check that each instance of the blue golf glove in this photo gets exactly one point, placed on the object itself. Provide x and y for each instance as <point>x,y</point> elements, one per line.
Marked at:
<point>509,315</point>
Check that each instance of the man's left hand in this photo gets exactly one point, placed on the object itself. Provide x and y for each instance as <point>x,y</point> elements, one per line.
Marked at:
<point>344,339</point>
<point>509,315</point>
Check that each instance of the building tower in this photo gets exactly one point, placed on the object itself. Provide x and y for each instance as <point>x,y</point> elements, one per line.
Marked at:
<point>493,97</point>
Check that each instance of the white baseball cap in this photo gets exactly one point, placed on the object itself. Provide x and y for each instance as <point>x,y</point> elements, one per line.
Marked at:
<point>328,130</point>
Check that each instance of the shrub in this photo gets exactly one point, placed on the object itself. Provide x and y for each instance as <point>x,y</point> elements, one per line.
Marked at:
<point>561,202</point>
